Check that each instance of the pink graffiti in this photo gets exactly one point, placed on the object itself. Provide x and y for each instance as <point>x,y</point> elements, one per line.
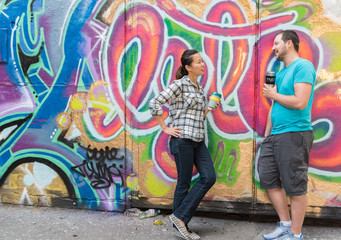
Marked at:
<point>327,105</point>
<point>145,24</point>
<point>239,51</point>
<point>210,28</point>
<point>251,90</point>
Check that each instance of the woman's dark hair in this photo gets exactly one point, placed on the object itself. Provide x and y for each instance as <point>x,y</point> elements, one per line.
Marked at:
<point>290,35</point>
<point>186,59</point>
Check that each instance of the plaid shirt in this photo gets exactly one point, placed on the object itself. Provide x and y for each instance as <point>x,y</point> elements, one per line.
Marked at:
<point>187,105</point>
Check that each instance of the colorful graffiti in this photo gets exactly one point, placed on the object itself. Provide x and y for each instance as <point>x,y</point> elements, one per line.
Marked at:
<point>76,81</point>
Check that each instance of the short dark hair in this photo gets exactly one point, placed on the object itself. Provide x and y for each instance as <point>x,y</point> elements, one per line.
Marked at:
<point>186,59</point>
<point>290,35</point>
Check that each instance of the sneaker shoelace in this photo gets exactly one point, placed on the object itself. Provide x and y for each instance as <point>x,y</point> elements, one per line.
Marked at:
<point>290,235</point>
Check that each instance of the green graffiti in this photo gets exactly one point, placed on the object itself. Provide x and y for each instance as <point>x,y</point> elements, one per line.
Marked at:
<point>320,130</point>
<point>129,65</point>
<point>226,157</point>
<point>192,38</point>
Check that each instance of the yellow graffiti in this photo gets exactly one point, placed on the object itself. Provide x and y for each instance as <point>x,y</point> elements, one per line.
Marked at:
<point>98,100</point>
<point>132,182</point>
<point>63,120</point>
<point>155,185</point>
<point>27,185</point>
<point>78,103</point>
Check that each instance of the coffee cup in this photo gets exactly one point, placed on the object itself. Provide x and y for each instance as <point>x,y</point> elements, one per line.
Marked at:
<point>214,100</point>
<point>270,78</point>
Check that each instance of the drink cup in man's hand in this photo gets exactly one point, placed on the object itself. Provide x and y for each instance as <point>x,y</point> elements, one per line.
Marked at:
<point>270,78</point>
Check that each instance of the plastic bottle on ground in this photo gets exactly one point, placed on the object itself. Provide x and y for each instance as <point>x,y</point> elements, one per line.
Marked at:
<point>149,213</point>
<point>132,212</point>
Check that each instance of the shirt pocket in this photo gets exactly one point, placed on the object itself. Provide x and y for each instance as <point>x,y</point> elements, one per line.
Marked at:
<point>194,101</point>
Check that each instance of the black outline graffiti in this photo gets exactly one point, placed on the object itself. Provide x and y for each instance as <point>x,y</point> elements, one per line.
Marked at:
<point>18,123</point>
<point>26,60</point>
<point>60,172</point>
<point>8,2</point>
<point>96,168</point>
<point>62,138</point>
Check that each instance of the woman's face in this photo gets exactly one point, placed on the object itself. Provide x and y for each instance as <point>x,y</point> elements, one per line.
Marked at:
<point>197,67</point>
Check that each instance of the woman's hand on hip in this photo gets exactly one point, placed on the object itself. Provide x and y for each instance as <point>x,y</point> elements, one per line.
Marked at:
<point>174,131</point>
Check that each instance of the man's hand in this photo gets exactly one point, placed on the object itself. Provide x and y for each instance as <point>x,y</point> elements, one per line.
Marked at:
<point>270,91</point>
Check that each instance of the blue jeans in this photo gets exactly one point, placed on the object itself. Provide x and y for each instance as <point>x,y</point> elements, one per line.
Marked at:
<point>186,153</point>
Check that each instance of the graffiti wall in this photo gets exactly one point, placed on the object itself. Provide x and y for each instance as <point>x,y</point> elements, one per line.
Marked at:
<point>76,77</point>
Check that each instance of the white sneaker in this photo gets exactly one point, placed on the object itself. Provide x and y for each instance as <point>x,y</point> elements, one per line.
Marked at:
<point>279,231</point>
<point>290,236</point>
<point>193,235</point>
<point>182,230</point>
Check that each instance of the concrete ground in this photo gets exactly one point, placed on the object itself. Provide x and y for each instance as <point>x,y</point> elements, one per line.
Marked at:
<point>24,222</point>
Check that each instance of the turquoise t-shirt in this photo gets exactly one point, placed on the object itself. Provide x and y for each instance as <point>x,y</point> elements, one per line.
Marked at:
<point>287,119</point>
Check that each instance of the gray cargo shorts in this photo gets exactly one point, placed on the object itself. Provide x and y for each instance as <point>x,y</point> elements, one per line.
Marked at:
<point>284,161</point>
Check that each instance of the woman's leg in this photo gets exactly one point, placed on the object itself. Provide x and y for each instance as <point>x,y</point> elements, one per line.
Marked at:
<point>203,162</point>
<point>183,152</point>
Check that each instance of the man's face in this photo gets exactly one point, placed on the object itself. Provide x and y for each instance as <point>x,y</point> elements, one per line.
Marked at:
<point>279,48</point>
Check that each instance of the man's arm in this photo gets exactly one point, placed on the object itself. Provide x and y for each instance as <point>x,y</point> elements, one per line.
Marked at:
<point>297,101</point>
<point>268,126</point>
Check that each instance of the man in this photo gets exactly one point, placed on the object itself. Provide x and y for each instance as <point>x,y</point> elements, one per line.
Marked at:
<point>284,156</point>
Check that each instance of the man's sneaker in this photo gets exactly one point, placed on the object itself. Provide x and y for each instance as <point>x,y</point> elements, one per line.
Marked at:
<point>289,236</point>
<point>182,230</point>
<point>279,231</point>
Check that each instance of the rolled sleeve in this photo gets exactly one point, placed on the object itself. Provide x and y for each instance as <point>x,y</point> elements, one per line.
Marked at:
<point>155,105</point>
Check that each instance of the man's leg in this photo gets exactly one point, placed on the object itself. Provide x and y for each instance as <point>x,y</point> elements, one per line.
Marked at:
<point>280,202</point>
<point>294,173</point>
<point>270,180</point>
<point>299,202</point>
<point>298,209</point>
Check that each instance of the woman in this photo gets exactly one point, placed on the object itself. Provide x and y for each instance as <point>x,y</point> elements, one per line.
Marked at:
<point>187,111</point>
